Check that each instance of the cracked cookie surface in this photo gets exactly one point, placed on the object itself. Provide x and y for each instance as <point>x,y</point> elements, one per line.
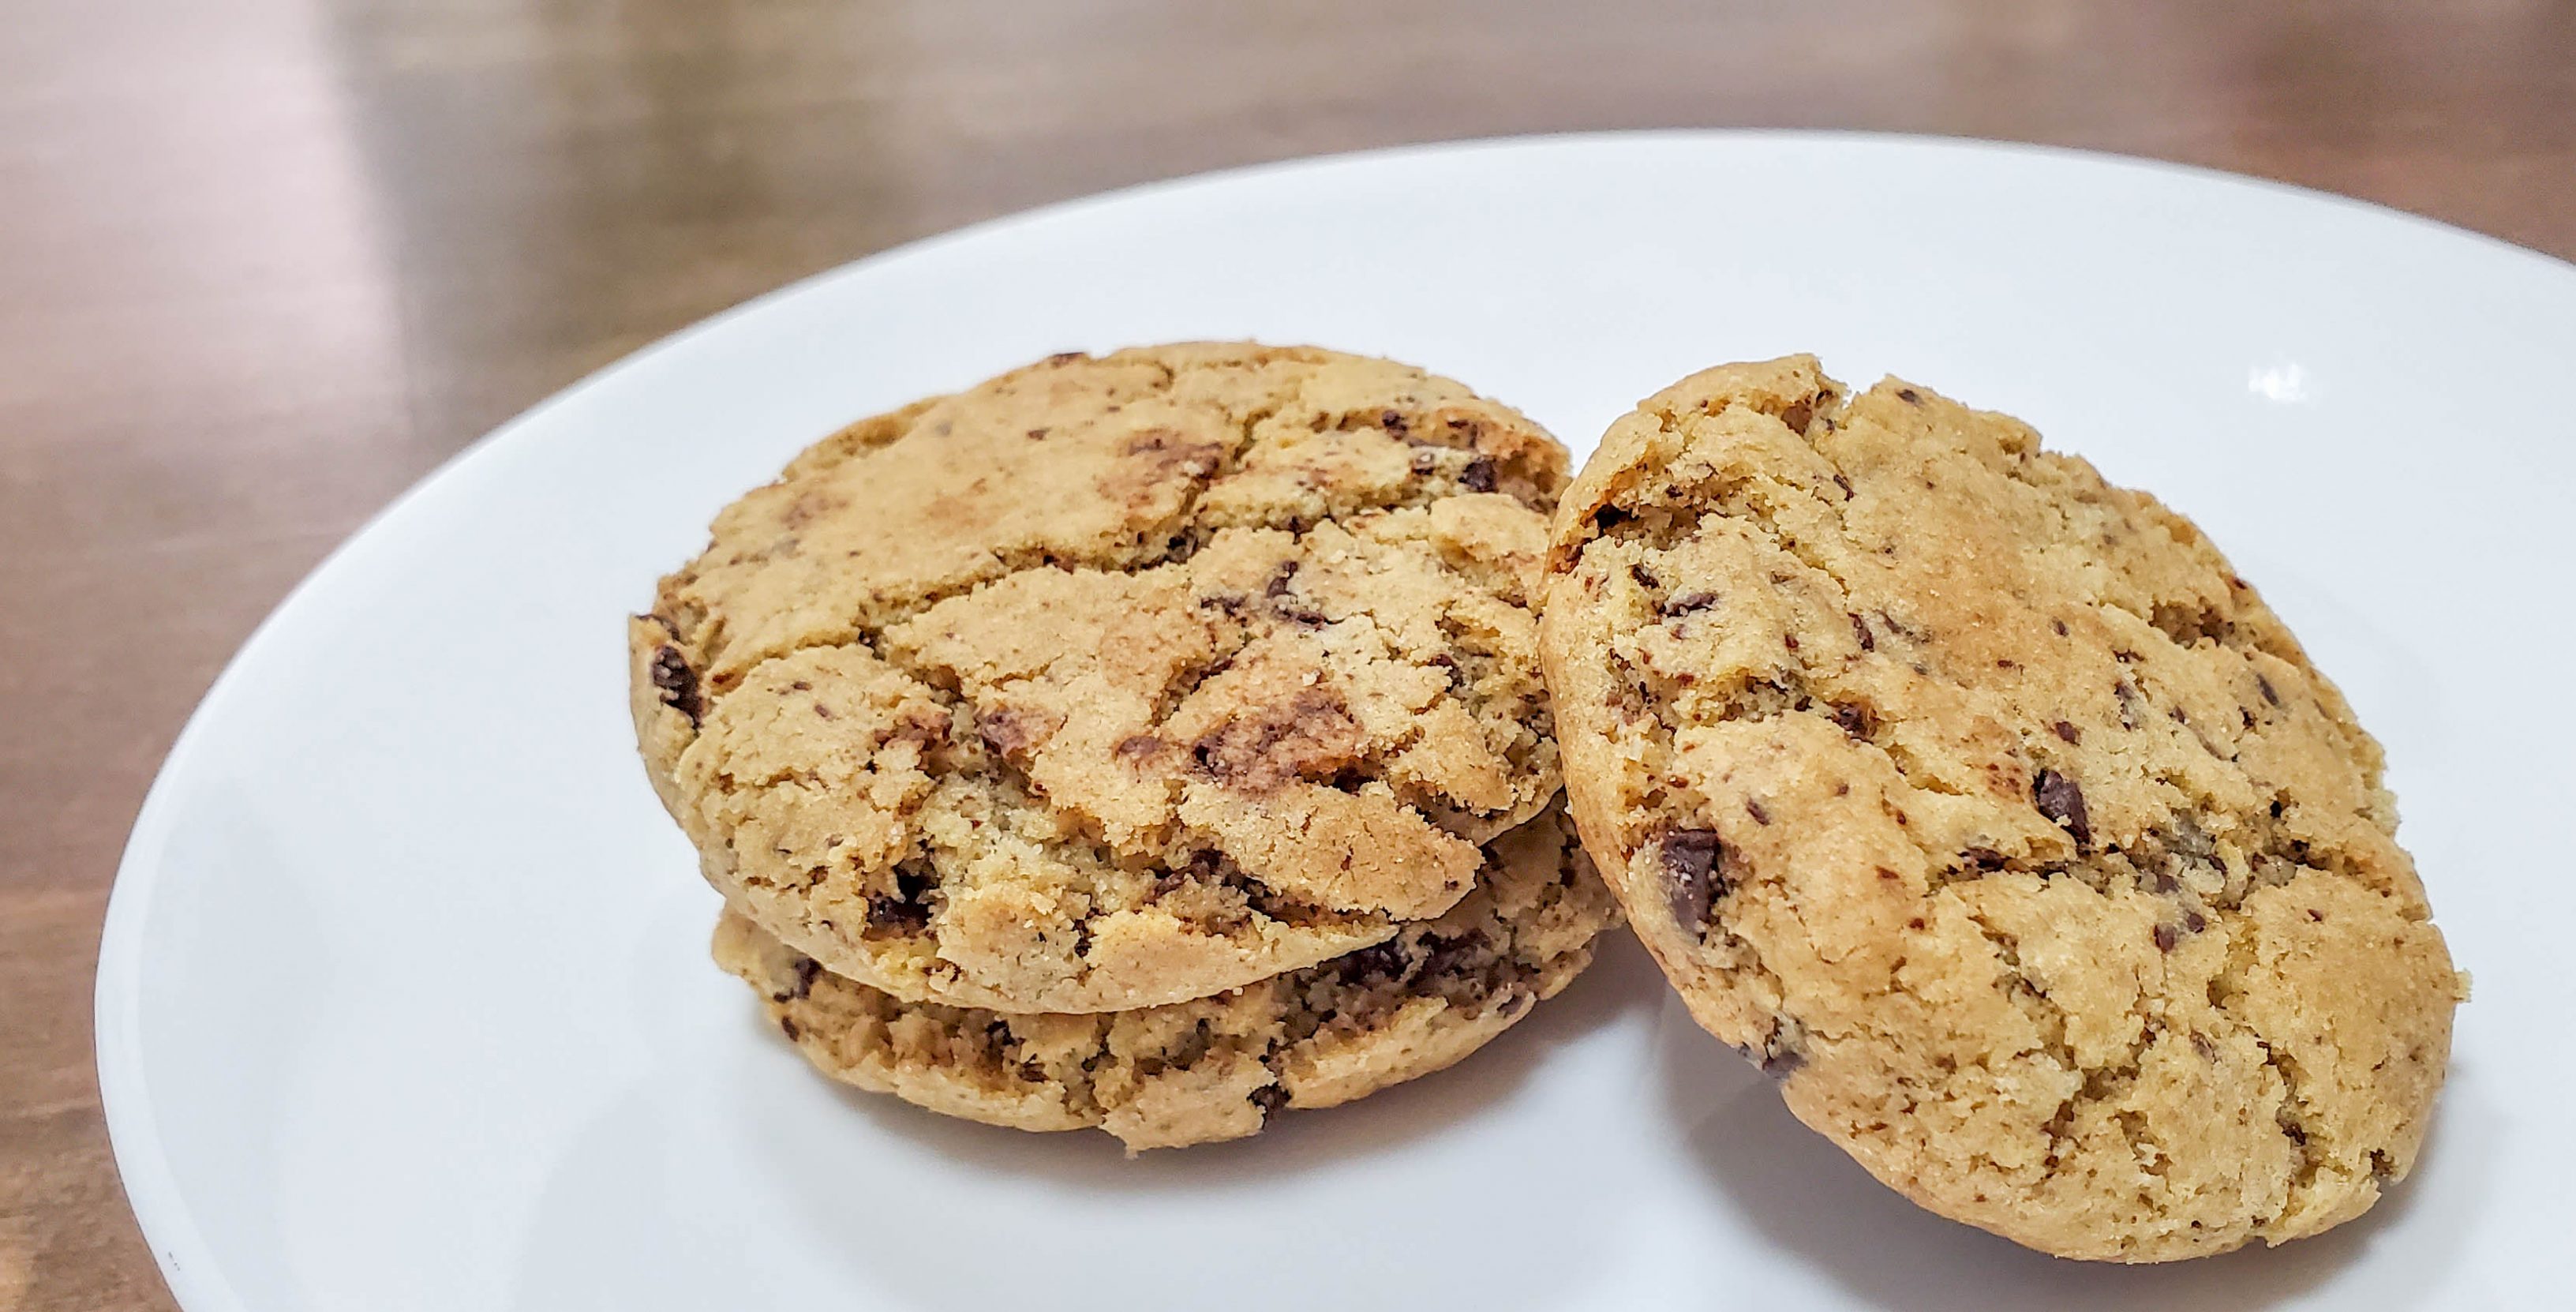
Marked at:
<point>1217,1067</point>
<point>1987,807</point>
<point>1114,682</point>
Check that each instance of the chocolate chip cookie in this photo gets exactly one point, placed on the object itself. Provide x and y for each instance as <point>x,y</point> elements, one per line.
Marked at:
<point>1986,806</point>
<point>1217,1067</point>
<point>1114,682</point>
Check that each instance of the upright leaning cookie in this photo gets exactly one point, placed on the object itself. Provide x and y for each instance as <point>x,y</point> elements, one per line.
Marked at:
<point>1985,805</point>
<point>1114,682</point>
<point>1214,1068</point>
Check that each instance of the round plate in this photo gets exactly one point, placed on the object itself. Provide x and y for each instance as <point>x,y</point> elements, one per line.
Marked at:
<point>405,999</point>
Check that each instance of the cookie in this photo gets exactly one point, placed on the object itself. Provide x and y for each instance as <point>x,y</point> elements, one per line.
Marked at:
<point>1987,807</point>
<point>1114,682</point>
<point>1218,1067</point>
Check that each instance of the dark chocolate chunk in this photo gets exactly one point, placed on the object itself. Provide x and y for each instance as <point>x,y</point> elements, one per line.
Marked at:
<point>1860,630</point>
<point>1136,746</point>
<point>678,683</point>
<point>1010,731</point>
<point>1691,883</point>
<point>1854,718</point>
<point>806,969</point>
<point>1478,476</point>
<point>2264,686</point>
<point>2067,732</point>
<point>1688,602</point>
<point>1279,578</point>
<point>2061,800</point>
<point>908,907</point>
<point>1984,860</point>
<point>2166,937</point>
<point>787,1026</point>
<point>1392,422</point>
<point>1754,808</point>
<point>1909,396</point>
<point>1443,956</point>
<point>1369,965</point>
<point>1269,1098</point>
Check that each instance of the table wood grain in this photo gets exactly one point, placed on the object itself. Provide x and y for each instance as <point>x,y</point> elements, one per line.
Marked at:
<point>263,263</point>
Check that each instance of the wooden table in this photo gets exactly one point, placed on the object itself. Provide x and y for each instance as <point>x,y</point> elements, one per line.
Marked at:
<point>264,263</point>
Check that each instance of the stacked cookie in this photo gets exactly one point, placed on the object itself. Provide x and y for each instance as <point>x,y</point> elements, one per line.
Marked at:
<point>1162,740</point>
<point>1152,741</point>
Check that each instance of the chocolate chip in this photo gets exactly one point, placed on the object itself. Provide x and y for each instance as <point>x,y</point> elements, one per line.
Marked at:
<point>2316,915</point>
<point>1688,602</point>
<point>1783,1051</point>
<point>1037,434</point>
<point>801,685</point>
<point>1443,956</point>
<point>1514,1004</point>
<point>679,683</point>
<point>822,712</point>
<point>1984,860</point>
<point>1269,1098</point>
<point>2298,1133</point>
<point>787,1026</point>
<point>908,907</point>
<point>2200,1044</point>
<point>1278,585</point>
<point>2166,937</point>
<point>1692,887</point>
<point>1854,718</point>
<point>1860,630</point>
<point>1065,357</point>
<point>2068,732</point>
<point>2059,625</point>
<point>1392,422</point>
<point>1373,964</point>
<point>1839,481</point>
<point>1754,808</point>
<point>1789,640</point>
<point>2264,686</point>
<point>2061,800</point>
<point>1136,747</point>
<point>1478,476</point>
<point>1425,460</point>
<point>806,969</point>
<point>1909,396</point>
<point>1010,731</point>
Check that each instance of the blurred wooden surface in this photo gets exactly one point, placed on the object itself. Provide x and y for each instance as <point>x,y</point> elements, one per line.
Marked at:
<point>265,262</point>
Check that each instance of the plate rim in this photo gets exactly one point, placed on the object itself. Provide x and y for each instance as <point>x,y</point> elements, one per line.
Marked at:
<point>188,1263</point>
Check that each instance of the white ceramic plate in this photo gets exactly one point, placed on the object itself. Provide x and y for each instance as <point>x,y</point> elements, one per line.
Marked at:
<point>404,1000</point>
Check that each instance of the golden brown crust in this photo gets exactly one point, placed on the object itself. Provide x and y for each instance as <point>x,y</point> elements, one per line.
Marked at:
<point>1213,1068</point>
<point>1985,803</point>
<point>1114,682</point>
